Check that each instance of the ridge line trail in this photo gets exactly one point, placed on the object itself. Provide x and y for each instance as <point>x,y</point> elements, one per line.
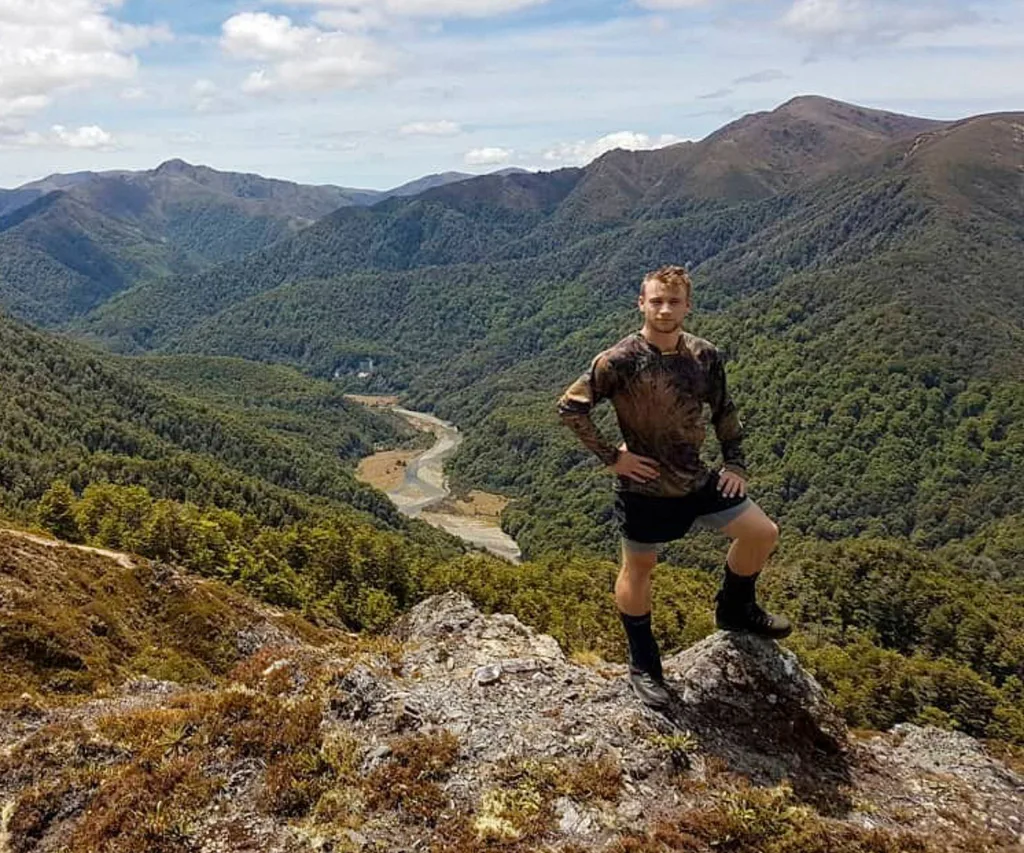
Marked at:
<point>119,557</point>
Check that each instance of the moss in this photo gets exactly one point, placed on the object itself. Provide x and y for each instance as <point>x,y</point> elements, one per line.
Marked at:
<point>37,807</point>
<point>294,783</point>
<point>765,820</point>
<point>580,780</point>
<point>152,732</point>
<point>167,664</point>
<point>342,806</point>
<point>591,780</point>
<point>507,814</point>
<point>343,751</point>
<point>201,626</point>
<point>253,724</point>
<point>409,780</point>
<point>54,748</point>
<point>99,622</point>
<point>41,642</point>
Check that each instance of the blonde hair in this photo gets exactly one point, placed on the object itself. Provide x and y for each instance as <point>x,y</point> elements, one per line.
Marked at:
<point>671,276</point>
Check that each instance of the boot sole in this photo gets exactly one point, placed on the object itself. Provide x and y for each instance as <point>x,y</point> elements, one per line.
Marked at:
<point>778,635</point>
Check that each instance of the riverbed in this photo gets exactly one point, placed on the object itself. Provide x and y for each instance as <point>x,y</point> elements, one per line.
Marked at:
<point>422,492</point>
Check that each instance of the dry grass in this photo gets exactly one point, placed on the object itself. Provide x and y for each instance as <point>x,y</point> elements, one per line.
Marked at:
<point>767,820</point>
<point>76,622</point>
<point>146,808</point>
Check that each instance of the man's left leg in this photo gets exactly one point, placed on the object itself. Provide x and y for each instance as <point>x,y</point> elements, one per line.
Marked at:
<point>754,536</point>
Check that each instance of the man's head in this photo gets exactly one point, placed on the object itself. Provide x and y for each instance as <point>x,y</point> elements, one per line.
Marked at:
<point>664,298</point>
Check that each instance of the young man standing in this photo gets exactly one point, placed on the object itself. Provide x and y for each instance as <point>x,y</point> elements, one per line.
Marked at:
<point>658,380</point>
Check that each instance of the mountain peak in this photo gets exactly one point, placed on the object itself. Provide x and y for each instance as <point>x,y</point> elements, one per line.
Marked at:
<point>174,166</point>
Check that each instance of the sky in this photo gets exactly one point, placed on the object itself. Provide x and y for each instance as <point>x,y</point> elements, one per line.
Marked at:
<point>373,93</point>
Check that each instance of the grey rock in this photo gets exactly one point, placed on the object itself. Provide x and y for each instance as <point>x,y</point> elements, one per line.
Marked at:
<point>358,694</point>
<point>487,674</point>
<point>753,683</point>
<point>572,820</point>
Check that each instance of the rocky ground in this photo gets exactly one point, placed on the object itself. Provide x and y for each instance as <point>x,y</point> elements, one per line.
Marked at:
<point>467,732</point>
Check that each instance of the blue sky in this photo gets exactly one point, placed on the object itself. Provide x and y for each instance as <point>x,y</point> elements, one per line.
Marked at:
<point>373,93</point>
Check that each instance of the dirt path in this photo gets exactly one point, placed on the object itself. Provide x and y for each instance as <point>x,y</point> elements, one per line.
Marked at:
<point>119,557</point>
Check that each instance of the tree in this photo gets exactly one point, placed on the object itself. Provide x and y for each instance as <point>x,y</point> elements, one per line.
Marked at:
<point>56,512</point>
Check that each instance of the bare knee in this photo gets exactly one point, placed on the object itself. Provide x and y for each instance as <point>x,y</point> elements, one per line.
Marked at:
<point>768,535</point>
<point>763,536</point>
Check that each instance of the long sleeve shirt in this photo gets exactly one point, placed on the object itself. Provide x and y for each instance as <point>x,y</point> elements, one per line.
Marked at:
<point>659,400</point>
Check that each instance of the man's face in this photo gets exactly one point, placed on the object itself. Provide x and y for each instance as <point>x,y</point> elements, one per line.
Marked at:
<point>663,307</point>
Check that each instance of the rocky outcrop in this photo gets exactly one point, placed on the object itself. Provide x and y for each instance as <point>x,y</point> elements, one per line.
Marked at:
<point>465,731</point>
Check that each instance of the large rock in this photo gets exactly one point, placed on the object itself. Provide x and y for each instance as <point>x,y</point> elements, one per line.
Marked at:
<point>758,689</point>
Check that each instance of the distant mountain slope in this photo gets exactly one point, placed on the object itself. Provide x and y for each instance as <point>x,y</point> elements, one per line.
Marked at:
<point>69,242</point>
<point>87,236</point>
<point>59,258</point>
<point>429,182</point>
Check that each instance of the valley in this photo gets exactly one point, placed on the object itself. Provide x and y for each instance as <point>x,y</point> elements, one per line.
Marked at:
<point>416,484</point>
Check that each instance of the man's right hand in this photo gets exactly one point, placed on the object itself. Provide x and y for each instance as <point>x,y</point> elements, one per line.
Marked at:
<point>643,469</point>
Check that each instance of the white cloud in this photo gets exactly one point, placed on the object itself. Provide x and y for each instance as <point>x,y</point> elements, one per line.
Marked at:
<point>864,22</point>
<point>51,46</point>
<point>583,152</point>
<point>133,93</point>
<point>257,83</point>
<point>421,8</point>
<point>670,4</point>
<point>206,95</point>
<point>430,128</point>
<point>352,20</point>
<point>257,35</point>
<point>488,156</point>
<point>91,136</point>
<point>88,137</point>
<point>301,58</point>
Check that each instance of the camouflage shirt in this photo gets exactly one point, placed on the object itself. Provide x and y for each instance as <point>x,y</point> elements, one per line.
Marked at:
<point>659,401</point>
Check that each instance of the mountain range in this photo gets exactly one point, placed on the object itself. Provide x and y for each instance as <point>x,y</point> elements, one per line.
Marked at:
<point>68,242</point>
<point>841,245</point>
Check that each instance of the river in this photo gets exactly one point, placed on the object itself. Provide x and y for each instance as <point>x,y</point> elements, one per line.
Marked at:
<point>424,487</point>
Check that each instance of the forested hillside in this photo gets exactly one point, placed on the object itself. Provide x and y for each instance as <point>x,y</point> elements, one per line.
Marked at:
<point>273,449</point>
<point>69,242</point>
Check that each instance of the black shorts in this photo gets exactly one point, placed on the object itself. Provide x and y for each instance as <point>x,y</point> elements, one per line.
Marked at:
<point>646,520</point>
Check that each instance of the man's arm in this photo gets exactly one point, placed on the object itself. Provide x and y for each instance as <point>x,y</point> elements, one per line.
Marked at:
<point>579,398</point>
<point>726,420</point>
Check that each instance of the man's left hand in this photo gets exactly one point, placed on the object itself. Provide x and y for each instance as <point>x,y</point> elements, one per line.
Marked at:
<point>731,484</point>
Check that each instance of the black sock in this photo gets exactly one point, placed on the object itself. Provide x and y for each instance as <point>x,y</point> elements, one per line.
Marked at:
<point>738,589</point>
<point>643,648</point>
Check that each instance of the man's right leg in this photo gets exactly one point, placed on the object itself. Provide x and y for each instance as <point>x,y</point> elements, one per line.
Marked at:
<point>633,598</point>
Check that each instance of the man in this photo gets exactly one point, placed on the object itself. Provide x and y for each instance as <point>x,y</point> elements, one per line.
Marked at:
<point>658,380</point>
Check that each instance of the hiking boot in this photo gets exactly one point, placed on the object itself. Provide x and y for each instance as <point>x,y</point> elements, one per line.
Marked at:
<point>750,617</point>
<point>648,689</point>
